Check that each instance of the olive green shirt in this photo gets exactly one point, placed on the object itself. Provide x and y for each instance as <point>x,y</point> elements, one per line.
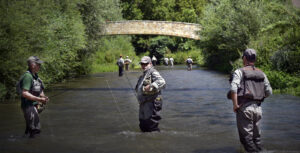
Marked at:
<point>26,84</point>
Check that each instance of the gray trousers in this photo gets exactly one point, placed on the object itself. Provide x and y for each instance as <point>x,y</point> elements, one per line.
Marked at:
<point>126,67</point>
<point>149,115</point>
<point>32,120</point>
<point>189,66</point>
<point>248,119</point>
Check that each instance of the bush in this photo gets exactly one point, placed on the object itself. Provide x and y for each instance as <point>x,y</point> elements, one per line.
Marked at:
<point>227,29</point>
<point>287,60</point>
<point>109,52</point>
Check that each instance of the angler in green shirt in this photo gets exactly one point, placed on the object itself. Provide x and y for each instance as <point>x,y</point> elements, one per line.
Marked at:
<point>31,95</point>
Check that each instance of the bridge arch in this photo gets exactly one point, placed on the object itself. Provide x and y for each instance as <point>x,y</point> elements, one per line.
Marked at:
<point>147,27</point>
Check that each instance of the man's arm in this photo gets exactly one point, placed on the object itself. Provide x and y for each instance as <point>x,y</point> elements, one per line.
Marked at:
<point>43,95</point>
<point>26,94</point>
<point>234,101</point>
<point>237,77</point>
<point>158,82</point>
<point>268,88</point>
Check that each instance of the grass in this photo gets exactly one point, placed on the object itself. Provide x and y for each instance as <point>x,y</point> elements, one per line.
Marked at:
<point>106,67</point>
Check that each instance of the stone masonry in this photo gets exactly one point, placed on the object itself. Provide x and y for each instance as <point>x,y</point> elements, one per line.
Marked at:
<point>142,27</point>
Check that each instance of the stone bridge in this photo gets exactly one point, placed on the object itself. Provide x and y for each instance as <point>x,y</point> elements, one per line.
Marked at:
<point>144,27</point>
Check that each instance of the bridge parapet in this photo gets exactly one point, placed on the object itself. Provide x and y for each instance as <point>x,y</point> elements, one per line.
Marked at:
<point>147,27</point>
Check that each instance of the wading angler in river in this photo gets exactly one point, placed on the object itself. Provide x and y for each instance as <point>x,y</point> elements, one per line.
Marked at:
<point>120,64</point>
<point>249,87</point>
<point>148,90</point>
<point>32,94</point>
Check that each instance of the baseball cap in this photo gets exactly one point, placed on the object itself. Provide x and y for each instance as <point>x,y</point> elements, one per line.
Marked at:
<point>250,55</point>
<point>34,59</point>
<point>145,59</point>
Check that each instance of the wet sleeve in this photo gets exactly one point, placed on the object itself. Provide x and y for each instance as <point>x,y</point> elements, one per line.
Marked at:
<point>268,88</point>
<point>27,80</point>
<point>236,80</point>
<point>158,81</point>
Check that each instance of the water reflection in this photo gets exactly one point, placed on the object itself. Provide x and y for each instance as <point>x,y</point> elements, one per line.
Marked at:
<point>85,115</point>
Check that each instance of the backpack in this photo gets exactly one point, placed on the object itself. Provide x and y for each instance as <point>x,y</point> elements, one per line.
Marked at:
<point>188,61</point>
<point>120,63</point>
<point>252,85</point>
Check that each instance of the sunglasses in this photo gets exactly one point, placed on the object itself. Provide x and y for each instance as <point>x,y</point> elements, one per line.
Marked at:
<point>144,64</point>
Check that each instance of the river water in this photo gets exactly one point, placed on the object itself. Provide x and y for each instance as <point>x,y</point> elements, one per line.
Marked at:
<point>99,113</point>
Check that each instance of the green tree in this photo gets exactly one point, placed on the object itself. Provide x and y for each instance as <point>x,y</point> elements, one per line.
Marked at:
<point>52,30</point>
<point>227,29</point>
<point>162,10</point>
<point>159,46</point>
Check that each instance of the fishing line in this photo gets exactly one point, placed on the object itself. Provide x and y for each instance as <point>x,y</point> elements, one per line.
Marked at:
<point>118,108</point>
<point>133,89</point>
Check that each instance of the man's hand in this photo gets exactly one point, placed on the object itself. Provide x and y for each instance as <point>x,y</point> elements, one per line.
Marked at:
<point>44,99</point>
<point>234,101</point>
<point>147,88</point>
<point>235,108</point>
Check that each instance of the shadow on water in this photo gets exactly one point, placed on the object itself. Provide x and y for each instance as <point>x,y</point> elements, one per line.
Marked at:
<point>99,113</point>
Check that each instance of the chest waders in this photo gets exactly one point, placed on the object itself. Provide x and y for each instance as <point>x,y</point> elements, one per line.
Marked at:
<point>150,104</point>
<point>250,95</point>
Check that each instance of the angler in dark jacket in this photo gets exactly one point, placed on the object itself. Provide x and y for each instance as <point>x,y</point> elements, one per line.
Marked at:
<point>148,90</point>
<point>249,87</point>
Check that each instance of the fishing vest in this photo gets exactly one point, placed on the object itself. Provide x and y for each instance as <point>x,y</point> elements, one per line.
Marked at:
<point>127,61</point>
<point>252,85</point>
<point>120,62</point>
<point>144,80</point>
<point>148,81</point>
<point>36,86</point>
<point>189,61</point>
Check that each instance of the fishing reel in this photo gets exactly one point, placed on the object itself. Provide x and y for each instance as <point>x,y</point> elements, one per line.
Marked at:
<point>40,107</point>
<point>152,90</point>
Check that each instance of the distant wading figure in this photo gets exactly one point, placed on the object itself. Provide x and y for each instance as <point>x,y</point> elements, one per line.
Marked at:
<point>127,61</point>
<point>148,90</point>
<point>166,61</point>
<point>249,87</point>
<point>32,94</point>
<point>120,64</point>
<point>189,63</point>
<point>154,60</point>
<point>172,61</point>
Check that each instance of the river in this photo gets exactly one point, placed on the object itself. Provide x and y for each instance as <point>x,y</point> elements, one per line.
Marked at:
<point>99,113</point>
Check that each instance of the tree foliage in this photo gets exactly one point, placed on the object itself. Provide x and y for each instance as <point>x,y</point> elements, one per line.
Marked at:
<point>162,10</point>
<point>62,33</point>
<point>227,29</point>
<point>52,30</point>
<point>270,27</point>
